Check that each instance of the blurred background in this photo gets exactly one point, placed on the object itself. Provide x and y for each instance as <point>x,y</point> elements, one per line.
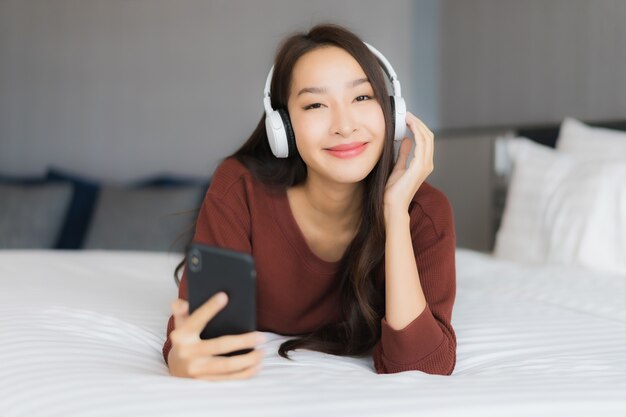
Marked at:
<point>108,94</point>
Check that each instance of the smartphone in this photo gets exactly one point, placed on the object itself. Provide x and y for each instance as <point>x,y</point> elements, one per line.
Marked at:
<point>211,269</point>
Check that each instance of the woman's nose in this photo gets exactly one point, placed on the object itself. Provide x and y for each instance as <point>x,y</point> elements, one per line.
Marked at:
<point>343,121</point>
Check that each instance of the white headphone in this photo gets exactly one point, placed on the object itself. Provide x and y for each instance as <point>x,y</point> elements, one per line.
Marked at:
<point>278,126</point>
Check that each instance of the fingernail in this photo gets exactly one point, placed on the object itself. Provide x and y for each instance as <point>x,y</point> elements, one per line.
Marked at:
<point>222,297</point>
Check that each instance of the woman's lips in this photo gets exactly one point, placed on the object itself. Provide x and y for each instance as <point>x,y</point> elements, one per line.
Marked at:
<point>346,146</point>
<point>350,153</point>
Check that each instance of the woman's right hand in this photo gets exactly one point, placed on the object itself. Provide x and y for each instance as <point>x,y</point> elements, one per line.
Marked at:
<point>193,357</point>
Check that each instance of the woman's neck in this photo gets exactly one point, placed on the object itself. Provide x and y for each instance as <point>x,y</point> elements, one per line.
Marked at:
<point>335,207</point>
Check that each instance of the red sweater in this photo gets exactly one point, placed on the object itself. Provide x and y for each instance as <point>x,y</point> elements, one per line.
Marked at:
<point>297,291</point>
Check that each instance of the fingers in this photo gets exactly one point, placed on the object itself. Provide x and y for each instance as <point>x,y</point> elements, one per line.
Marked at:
<point>198,358</point>
<point>429,142</point>
<point>411,116</point>
<point>196,322</point>
<point>428,135</point>
<point>224,366</point>
<point>424,138</point>
<point>226,344</point>
<point>403,154</point>
<point>418,134</point>
<point>180,311</point>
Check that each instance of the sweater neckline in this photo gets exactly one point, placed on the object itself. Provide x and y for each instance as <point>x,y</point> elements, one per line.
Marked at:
<point>288,224</point>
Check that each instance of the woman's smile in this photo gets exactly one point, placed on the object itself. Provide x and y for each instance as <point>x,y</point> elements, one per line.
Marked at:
<point>348,153</point>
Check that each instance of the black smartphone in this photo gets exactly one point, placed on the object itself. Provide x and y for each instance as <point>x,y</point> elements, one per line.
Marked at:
<point>212,269</point>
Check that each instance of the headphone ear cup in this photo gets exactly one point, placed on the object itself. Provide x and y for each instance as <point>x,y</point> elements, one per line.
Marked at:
<point>276,134</point>
<point>398,110</point>
<point>393,115</point>
<point>291,139</point>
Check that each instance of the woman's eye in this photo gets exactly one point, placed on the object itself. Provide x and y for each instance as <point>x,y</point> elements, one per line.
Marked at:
<point>311,106</point>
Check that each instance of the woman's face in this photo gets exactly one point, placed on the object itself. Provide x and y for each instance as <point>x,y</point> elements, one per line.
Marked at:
<point>336,112</point>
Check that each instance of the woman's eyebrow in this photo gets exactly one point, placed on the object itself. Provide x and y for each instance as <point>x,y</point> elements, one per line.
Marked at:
<point>323,90</point>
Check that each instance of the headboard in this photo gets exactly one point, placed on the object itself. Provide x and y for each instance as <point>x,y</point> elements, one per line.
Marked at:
<point>546,135</point>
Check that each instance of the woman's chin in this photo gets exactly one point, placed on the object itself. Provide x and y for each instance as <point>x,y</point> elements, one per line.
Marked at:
<point>348,174</point>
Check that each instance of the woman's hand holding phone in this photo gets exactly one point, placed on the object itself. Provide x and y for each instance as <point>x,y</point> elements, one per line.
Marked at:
<point>193,357</point>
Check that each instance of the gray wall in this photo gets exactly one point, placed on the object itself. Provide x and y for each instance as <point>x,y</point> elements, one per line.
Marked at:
<point>531,61</point>
<point>123,89</point>
<point>119,90</point>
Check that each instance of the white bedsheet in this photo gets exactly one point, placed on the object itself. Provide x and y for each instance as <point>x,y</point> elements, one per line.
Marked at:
<point>82,331</point>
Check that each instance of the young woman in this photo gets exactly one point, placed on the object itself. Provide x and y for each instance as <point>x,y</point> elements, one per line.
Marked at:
<point>354,253</point>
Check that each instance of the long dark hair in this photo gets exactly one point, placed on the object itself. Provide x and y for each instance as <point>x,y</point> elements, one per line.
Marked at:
<point>362,302</point>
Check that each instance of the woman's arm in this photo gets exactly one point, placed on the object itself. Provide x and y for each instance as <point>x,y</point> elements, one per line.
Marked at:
<point>418,335</point>
<point>420,288</point>
<point>404,297</point>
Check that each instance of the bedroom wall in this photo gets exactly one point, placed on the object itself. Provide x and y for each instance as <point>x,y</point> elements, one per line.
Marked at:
<point>121,89</point>
<point>524,62</point>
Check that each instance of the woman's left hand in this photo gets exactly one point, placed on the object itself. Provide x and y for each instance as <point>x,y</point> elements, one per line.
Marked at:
<point>404,181</point>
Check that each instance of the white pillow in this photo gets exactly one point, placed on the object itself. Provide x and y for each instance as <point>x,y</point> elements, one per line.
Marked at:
<point>563,210</point>
<point>591,143</point>
<point>604,244</point>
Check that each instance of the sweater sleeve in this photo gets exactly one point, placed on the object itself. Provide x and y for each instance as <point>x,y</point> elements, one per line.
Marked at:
<point>223,223</point>
<point>428,343</point>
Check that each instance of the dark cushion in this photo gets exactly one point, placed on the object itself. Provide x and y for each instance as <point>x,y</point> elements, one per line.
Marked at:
<point>76,221</point>
<point>144,218</point>
<point>166,180</point>
<point>80,210</point>
<point>31,213</point>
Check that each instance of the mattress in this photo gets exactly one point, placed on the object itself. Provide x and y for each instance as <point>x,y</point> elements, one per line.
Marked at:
<point>82,333</point>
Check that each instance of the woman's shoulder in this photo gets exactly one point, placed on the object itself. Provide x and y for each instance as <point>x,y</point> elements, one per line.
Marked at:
<point>231,167</point>
<point>431,211</point>
<point>231,175</point>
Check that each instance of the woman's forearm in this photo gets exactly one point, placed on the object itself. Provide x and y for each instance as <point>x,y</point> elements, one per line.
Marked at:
<point>404,297</point>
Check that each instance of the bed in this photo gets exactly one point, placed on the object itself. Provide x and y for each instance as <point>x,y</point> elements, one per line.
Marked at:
<point>82,333</point>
